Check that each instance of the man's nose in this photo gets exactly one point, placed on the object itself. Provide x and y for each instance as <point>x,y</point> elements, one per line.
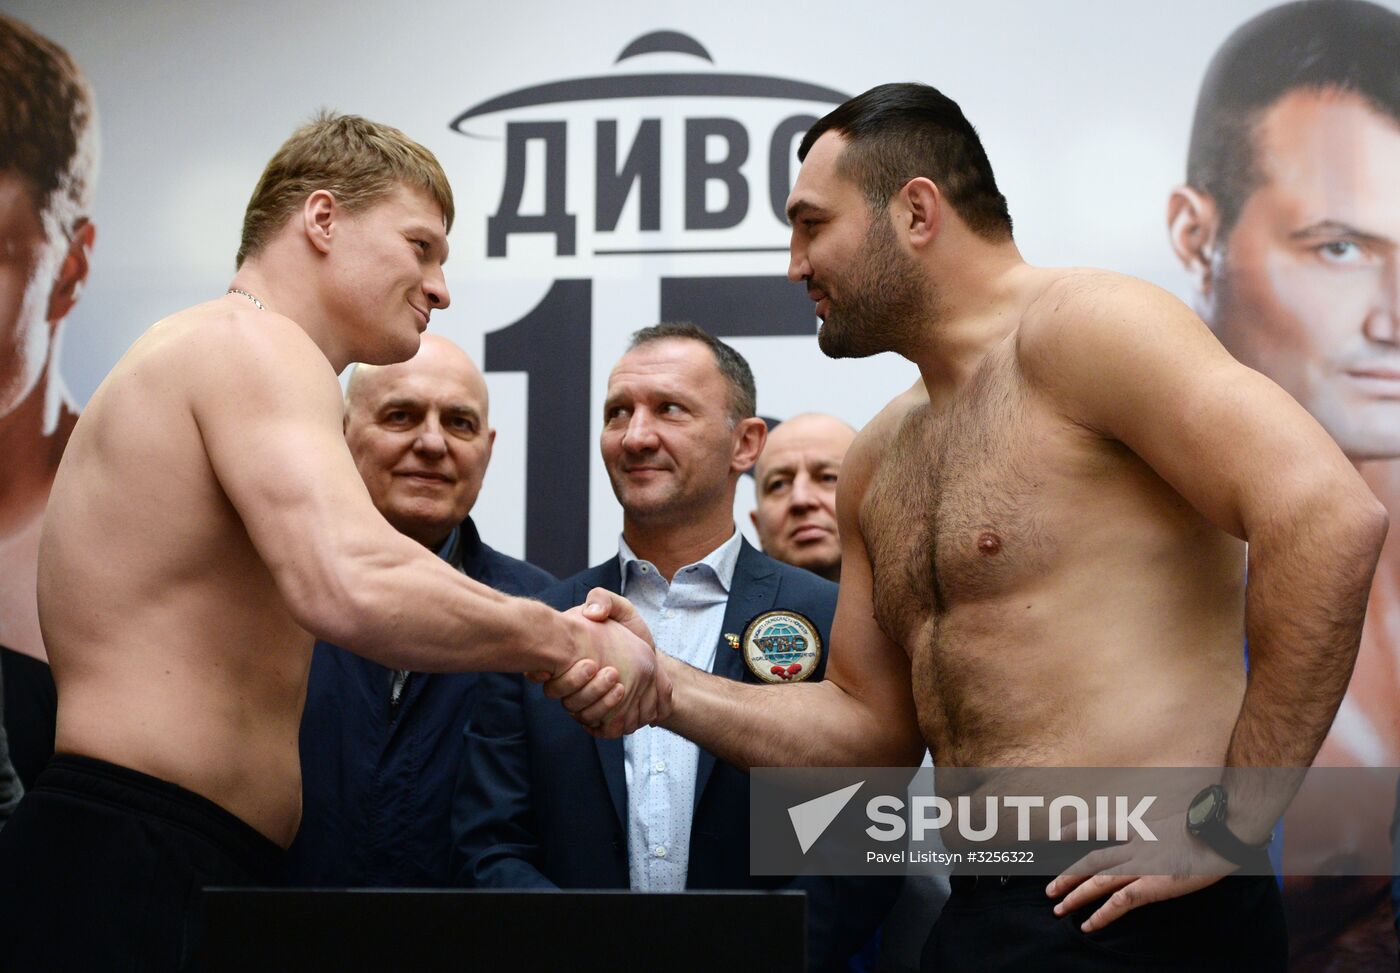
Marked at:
<point>1383,320</point>
<point>641,432</point>
<point>804,493</point>
<point>435,289</point>
<point>798,270</point>
<point>430,441</point>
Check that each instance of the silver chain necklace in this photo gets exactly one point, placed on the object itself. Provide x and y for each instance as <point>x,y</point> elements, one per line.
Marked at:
<point>257,303</point>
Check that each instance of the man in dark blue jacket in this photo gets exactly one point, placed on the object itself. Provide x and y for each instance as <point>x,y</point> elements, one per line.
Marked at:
<point>380,747</point>
<point>540,803</point>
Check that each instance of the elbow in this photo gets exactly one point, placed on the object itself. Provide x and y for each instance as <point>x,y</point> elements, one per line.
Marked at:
<point>903,749</point>
<point>1379,521</point>
<point>1340,509</point>
<point>332,605</point>
<point>1368,519</point>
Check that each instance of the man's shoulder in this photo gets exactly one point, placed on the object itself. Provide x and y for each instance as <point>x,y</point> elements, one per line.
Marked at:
<point>227,326</point>
<point>1074,309</point>
<point>216,348</point>
<point>872,443</point>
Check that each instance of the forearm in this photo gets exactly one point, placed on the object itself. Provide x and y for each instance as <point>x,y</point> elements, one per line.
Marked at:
<point>809,724</point>
<point>1309,578</point>
<point>404,607</point>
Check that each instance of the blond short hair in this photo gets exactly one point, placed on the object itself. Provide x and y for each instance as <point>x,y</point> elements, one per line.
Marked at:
<point>356,160</point>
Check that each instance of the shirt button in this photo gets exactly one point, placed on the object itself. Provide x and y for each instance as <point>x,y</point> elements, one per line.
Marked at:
<point>659,851</point>
<point>659,767</point>
<point>668,613</point>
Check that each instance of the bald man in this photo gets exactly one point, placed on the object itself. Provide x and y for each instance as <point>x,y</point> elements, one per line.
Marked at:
<point>379,746</point>
<point>795,491</point>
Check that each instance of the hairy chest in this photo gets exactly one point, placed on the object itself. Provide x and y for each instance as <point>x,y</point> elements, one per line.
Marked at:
<point>955,512</point>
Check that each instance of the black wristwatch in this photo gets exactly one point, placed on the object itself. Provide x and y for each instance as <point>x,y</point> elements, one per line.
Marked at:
<point>1205,819</point>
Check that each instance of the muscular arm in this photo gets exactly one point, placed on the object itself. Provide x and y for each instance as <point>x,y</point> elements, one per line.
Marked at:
<point>1130,363</point>
<point>268,408</point>
<point>861,714</point>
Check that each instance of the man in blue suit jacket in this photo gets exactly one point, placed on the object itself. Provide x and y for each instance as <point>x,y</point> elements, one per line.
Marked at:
<point>539,802</point>
<point>380,747</point>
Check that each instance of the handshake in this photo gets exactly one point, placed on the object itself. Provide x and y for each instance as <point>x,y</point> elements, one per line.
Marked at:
<point>617,683</point>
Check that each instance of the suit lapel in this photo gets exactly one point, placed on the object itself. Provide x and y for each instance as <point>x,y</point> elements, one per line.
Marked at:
<point>752,592</point>
<point>610,754</point>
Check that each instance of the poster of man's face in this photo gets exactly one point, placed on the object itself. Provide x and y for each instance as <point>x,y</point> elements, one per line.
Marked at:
<point>1289,223</point>
<point>1290,220</point>
<point>48,161</point>
<point>1308,293</point>
<point>47,170</point>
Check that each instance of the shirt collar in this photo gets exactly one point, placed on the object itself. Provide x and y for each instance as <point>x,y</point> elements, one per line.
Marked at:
<point>722,560</point>
<point>449,546</point>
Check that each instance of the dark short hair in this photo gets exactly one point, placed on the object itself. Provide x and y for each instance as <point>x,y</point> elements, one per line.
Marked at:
<point>47,126</point>
<point>357,160</point>
<point>898,132</point>
<point>1347,45</point>
<point>743,397</point>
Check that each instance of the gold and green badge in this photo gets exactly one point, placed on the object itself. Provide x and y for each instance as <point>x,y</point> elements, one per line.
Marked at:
<point>782,646</point>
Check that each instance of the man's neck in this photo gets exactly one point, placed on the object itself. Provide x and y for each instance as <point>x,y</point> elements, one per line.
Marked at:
<point>974,305</point>
<point>671,546</point>
<point>430,537</point>
<point>280,279</point>
<point>34,452</point>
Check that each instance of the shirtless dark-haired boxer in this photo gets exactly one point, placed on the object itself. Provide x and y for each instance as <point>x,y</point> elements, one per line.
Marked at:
<point>1044,545</point>
<point>207,521</point>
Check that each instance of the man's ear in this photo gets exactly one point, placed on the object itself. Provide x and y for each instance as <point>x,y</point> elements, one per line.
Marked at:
<point>73,273</point>
<point>490,447</point>
<point>749,436</point>
<point>318,218</point>
<point>1193,223</point>
<point>919,213</point>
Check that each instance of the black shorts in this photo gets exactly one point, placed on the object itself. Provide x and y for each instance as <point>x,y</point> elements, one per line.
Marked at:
<point>993,925</point>
<point>101,869</point>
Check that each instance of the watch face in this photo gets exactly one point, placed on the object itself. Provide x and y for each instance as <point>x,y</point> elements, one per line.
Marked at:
<point>1202,810</point>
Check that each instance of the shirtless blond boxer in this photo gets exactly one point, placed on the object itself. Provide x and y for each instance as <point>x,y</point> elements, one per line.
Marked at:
<point>1044,546</point>
<point>206,523</point>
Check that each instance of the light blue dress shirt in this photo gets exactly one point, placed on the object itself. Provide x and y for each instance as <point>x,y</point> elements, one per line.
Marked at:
<point>685,617</point>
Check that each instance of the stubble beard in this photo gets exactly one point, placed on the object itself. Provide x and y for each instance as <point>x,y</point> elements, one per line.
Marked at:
<point>648,504</point>
<point>885,300</point>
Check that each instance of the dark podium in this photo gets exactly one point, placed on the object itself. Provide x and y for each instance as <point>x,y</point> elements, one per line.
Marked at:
<point>462,930</point>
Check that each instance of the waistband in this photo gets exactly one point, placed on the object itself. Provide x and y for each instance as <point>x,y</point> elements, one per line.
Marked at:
<point>92,779</point>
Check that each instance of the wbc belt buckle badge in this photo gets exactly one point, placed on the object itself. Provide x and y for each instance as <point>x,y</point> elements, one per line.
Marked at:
<point>782,646</point>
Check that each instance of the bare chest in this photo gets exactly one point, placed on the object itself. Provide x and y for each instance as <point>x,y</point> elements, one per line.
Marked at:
<point>954,513</point>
